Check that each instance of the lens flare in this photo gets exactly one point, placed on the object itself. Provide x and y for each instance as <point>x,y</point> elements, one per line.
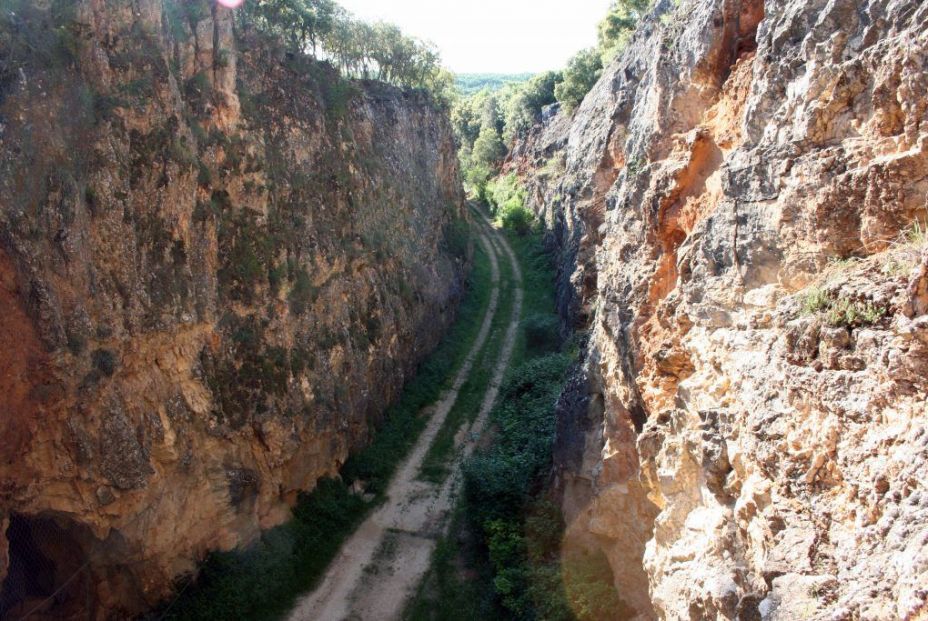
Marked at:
<point>231,4</point>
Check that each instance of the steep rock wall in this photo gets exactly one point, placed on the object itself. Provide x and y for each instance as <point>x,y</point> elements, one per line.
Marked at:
<point>736,204</point>
<point>218,263</point>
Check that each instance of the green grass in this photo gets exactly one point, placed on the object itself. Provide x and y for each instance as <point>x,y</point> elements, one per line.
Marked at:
<point>262,581</point>
<point>538,335</point>
<point>501,558</point>
<point>437,463</point>
<point>448,593</point>
<point>375,464</point>
<point>917,233</point>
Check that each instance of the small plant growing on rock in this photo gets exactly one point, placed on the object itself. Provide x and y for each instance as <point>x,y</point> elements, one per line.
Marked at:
<point>554,167</point>
<point>917,234</point>
<point>840,311</point>
<point>815,300</point>
<point>105,361</point>
<point>905,251</point>
<point>844,312</point>
<point>303,293</point>
<point>635,166</point>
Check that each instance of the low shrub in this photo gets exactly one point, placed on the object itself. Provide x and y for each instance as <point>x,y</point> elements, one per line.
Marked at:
<point>505,532</point>
<point>507,201</point>
<point>542,333</point>
<point>514,216</point>
<point>841,311</point>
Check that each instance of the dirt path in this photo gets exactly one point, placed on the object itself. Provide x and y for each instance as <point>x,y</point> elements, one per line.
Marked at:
<point>380,566</point>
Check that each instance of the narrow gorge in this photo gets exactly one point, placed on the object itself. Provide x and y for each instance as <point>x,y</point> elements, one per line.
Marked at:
<point>297,327</point>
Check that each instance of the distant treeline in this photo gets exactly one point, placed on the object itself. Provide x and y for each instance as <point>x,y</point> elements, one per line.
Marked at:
<point>470,83</point>
<point>498,107</point>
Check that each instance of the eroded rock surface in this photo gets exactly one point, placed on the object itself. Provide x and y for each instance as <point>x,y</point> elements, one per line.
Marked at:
<point>736,214</point>
<point>218,263</point>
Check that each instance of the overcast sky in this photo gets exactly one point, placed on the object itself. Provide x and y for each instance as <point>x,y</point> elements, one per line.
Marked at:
<point>494,36</point>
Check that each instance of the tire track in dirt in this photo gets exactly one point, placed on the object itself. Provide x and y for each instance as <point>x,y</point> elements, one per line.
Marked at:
<point>381,564</point>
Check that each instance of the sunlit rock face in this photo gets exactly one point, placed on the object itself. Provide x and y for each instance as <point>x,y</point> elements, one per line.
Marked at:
<point>748,439</point>
<point>218,264</point>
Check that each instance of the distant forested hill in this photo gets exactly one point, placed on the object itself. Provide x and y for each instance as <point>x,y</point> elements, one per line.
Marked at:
<point>472,82</point>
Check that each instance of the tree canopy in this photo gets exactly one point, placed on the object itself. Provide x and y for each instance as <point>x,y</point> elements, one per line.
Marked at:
<point>523,108</point>
<point>470,83</point>
<point>490,110</point>
<point>579,77</point>
<point>620,22</point>
<point>325,30</point>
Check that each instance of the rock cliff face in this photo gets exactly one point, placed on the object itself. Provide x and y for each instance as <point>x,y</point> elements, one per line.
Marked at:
<point>218,263</point>
<point>736,204</point>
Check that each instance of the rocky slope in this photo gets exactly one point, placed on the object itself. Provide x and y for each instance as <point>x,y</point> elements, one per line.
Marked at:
<point>736,206</point>
<point>218,263</point>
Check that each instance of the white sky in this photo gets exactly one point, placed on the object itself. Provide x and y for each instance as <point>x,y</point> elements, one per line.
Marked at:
<point>493,36</point>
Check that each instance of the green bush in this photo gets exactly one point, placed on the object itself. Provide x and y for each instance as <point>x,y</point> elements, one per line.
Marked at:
<point>513,216</point>
<point>542,333</point>
<point>503,189</point>
<point>815,300</point>
<point>582,72</point>
<point>507,201</point>
<point>848,313</point>
<point>617,27</point>
<point>523,108</point>
<point>521,530</point>
<point>476,176</point>
<point>303,293</point>
<point>498,481</point>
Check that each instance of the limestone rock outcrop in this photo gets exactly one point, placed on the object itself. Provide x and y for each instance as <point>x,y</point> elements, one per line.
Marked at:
<point>740,216</point>
<point>218,264</point>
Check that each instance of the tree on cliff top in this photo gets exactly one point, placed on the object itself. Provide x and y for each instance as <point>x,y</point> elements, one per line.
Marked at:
<point>380,51</point>
<point>617,27</point>
<point>302,23</point>
<point>579,77</point>
<point>488,148</point>
<point>523,107</point>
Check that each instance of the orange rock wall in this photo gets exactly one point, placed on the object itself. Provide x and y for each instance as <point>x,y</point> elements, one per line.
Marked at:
<point>739,224</point>
<point>218,264</point>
